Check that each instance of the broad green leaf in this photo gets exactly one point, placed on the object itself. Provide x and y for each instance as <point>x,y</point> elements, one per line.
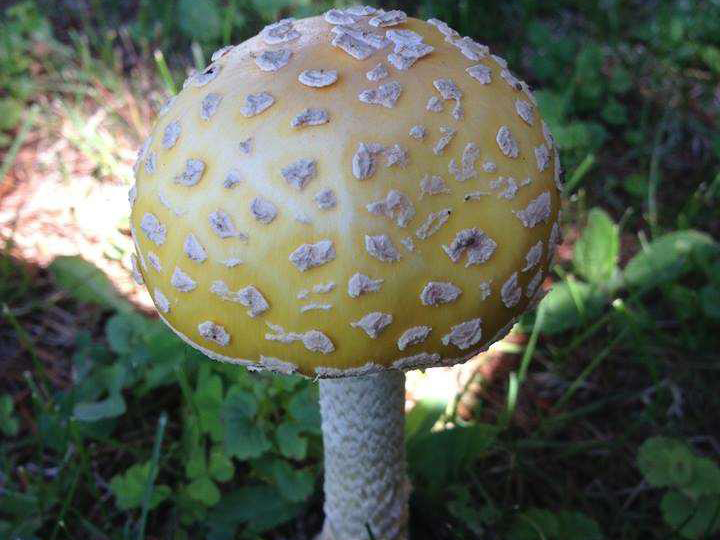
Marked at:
<point>422,417</point>
<point>668,257</point>
<point>304,408</point>
<point>534,524</point>
<point>123,332</point>
<point>204,490</point>
<point>200,19</point>
<point>129,488</point>
<point>569,304</point>
<point>240,403</point>
<point>286,383</point>
<point>290,442</point>
<point>161,341</point>
<point>110,407</point>
<point>86,283</point>
<point>165,352</point>
<point>463,508</point>
<point>665,462</point>
<point>596,251</point>
<point>440,457</point>
<point>295,485</point>
<point>553,107</point>
<point>111,378</point>
<point>694,518</point>
<point>221,467</point>
<point>187,508</point>
<point>705,478</point>
<point>575,135</point>
<point>541,524</point>
<point>261,507</point>
<point>577,526</point>
<point>244,439</point>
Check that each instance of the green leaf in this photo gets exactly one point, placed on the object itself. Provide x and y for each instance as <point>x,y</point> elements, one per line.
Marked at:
<point>463,508</point>
<point>596,251</point>
<point>129,488</point>
<point>668,257</point>
<point>270,9</point>
<point>195,465</point>
<point>553,106</point>
<point>86,283</point>
<point>710,301</point>
<point>694,519</point>
<point>244,438</point>
<point>261,507</point>
<point>586,70</point>
<point>11,113</point>
<point>577,526</point>
<point>665,462</point>
<point>440,457</point>
<point>711,57</point>
<point>295,485</point>
<point>20,504</point>
<point>705,478</point>
<point>240,403</point>
<point>9,425</point>
<point>615,113</point>
<point>208,398</point>
<point>110,407</point>
<point>534,524</point>
<point>541,524</point>
<point>290,443</point>
<point>187,508</point>
<point>621,80</point>
<point>422,417</point>
<point>684,301</point>
<point>204,490</point>
<point>110,378</point>
<point>123,332</point>
<point>636,184</point>
<point>200,19</point>
<point>221,467</point>
<point>304,408</point>
<point>569,304</point>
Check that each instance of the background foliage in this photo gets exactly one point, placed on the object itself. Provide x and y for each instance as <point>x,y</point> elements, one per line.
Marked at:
<point>603,427</point>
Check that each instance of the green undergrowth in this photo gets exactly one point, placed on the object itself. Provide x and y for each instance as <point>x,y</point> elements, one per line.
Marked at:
<point>203,448</point>
<point>605,427</point>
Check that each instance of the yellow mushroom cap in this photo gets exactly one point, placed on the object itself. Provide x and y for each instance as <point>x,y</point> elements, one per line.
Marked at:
<point>347,193</point>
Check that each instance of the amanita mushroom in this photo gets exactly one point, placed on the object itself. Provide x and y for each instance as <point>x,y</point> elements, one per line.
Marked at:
<point>348,197</point>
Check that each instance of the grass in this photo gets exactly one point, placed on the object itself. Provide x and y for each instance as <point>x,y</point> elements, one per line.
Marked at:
<point>114,429</point>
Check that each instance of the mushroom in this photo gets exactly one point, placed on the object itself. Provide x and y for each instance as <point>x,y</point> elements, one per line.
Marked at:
<point>362,234</point>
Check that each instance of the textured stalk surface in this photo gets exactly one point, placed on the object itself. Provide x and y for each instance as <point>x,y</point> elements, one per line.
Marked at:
<point>363,423</point>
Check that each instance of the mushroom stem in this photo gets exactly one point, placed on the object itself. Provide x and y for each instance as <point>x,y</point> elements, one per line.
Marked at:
<point>366,486</point>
